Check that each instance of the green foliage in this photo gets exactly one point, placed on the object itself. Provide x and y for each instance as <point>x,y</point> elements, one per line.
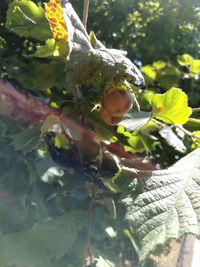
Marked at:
<point>52,49</point>
<point>171,107</point>
<point>59,200</point>
<point>36,247</point>
<point>27,19</point>
<point>26,139</point>
<point>158,211</point>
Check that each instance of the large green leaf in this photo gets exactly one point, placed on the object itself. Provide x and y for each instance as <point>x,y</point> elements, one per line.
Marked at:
<point>36,247</point>
<point>165,204</point>
<point>171,107</point>
<point>27,19</point>
<point>90,61</point>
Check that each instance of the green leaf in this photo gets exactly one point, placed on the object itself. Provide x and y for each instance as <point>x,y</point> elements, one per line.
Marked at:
<point>165,205</point>
<point>27,139</point>
<point>27,19</point>
<point>140,143</point>
<point>61,141</point>
<point>184,60</point>
<point>192,124</point>
<point>195,66</point>
<point>149,71</point>
<point>135,120</point>
<point>48,50</point>
<point>88,64</point>
<point>171,107</point>
<point>46,241</point>
<point>137,144</point>
<point>159,65</point>
<point>53,49</point>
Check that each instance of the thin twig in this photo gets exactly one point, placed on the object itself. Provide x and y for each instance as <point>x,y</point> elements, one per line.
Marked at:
<point>196,110</point>
<point>188,133</point>
<point>89,227</point>
<point>158,122</point>
<point>78,100</point>
<point>77,93</point>
<point>186,252</point>
<point>85,12</point>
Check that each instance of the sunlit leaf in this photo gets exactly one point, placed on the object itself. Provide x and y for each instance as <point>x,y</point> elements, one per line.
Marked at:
<point>27,19</point>
<point>141,143</point>
<point>171,107</point>
<point>195,66</point>
<point>184,60</point>
<point>48,50</point>
<point>149,71</point>
<point>159,65</point>
<point>61,141</point>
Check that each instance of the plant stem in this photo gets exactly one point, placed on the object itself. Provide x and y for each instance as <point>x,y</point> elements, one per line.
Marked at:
<point>188,133</point>
<point>85,12</point>
<point>196,110</point>
<point>89,226</point>
<point>77,93</point>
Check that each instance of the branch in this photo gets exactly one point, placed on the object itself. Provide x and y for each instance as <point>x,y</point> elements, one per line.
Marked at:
<point>196,110</point>
<point>89,227</point>
<point>188,133</point>
<point>17,104</point>
<point>186,252</point>
<point>85,12</point>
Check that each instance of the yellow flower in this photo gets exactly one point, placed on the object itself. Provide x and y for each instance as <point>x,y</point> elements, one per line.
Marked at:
<point>54,14</point>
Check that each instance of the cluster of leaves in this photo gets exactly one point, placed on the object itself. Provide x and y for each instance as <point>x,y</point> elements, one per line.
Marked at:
<point>55,179</point>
